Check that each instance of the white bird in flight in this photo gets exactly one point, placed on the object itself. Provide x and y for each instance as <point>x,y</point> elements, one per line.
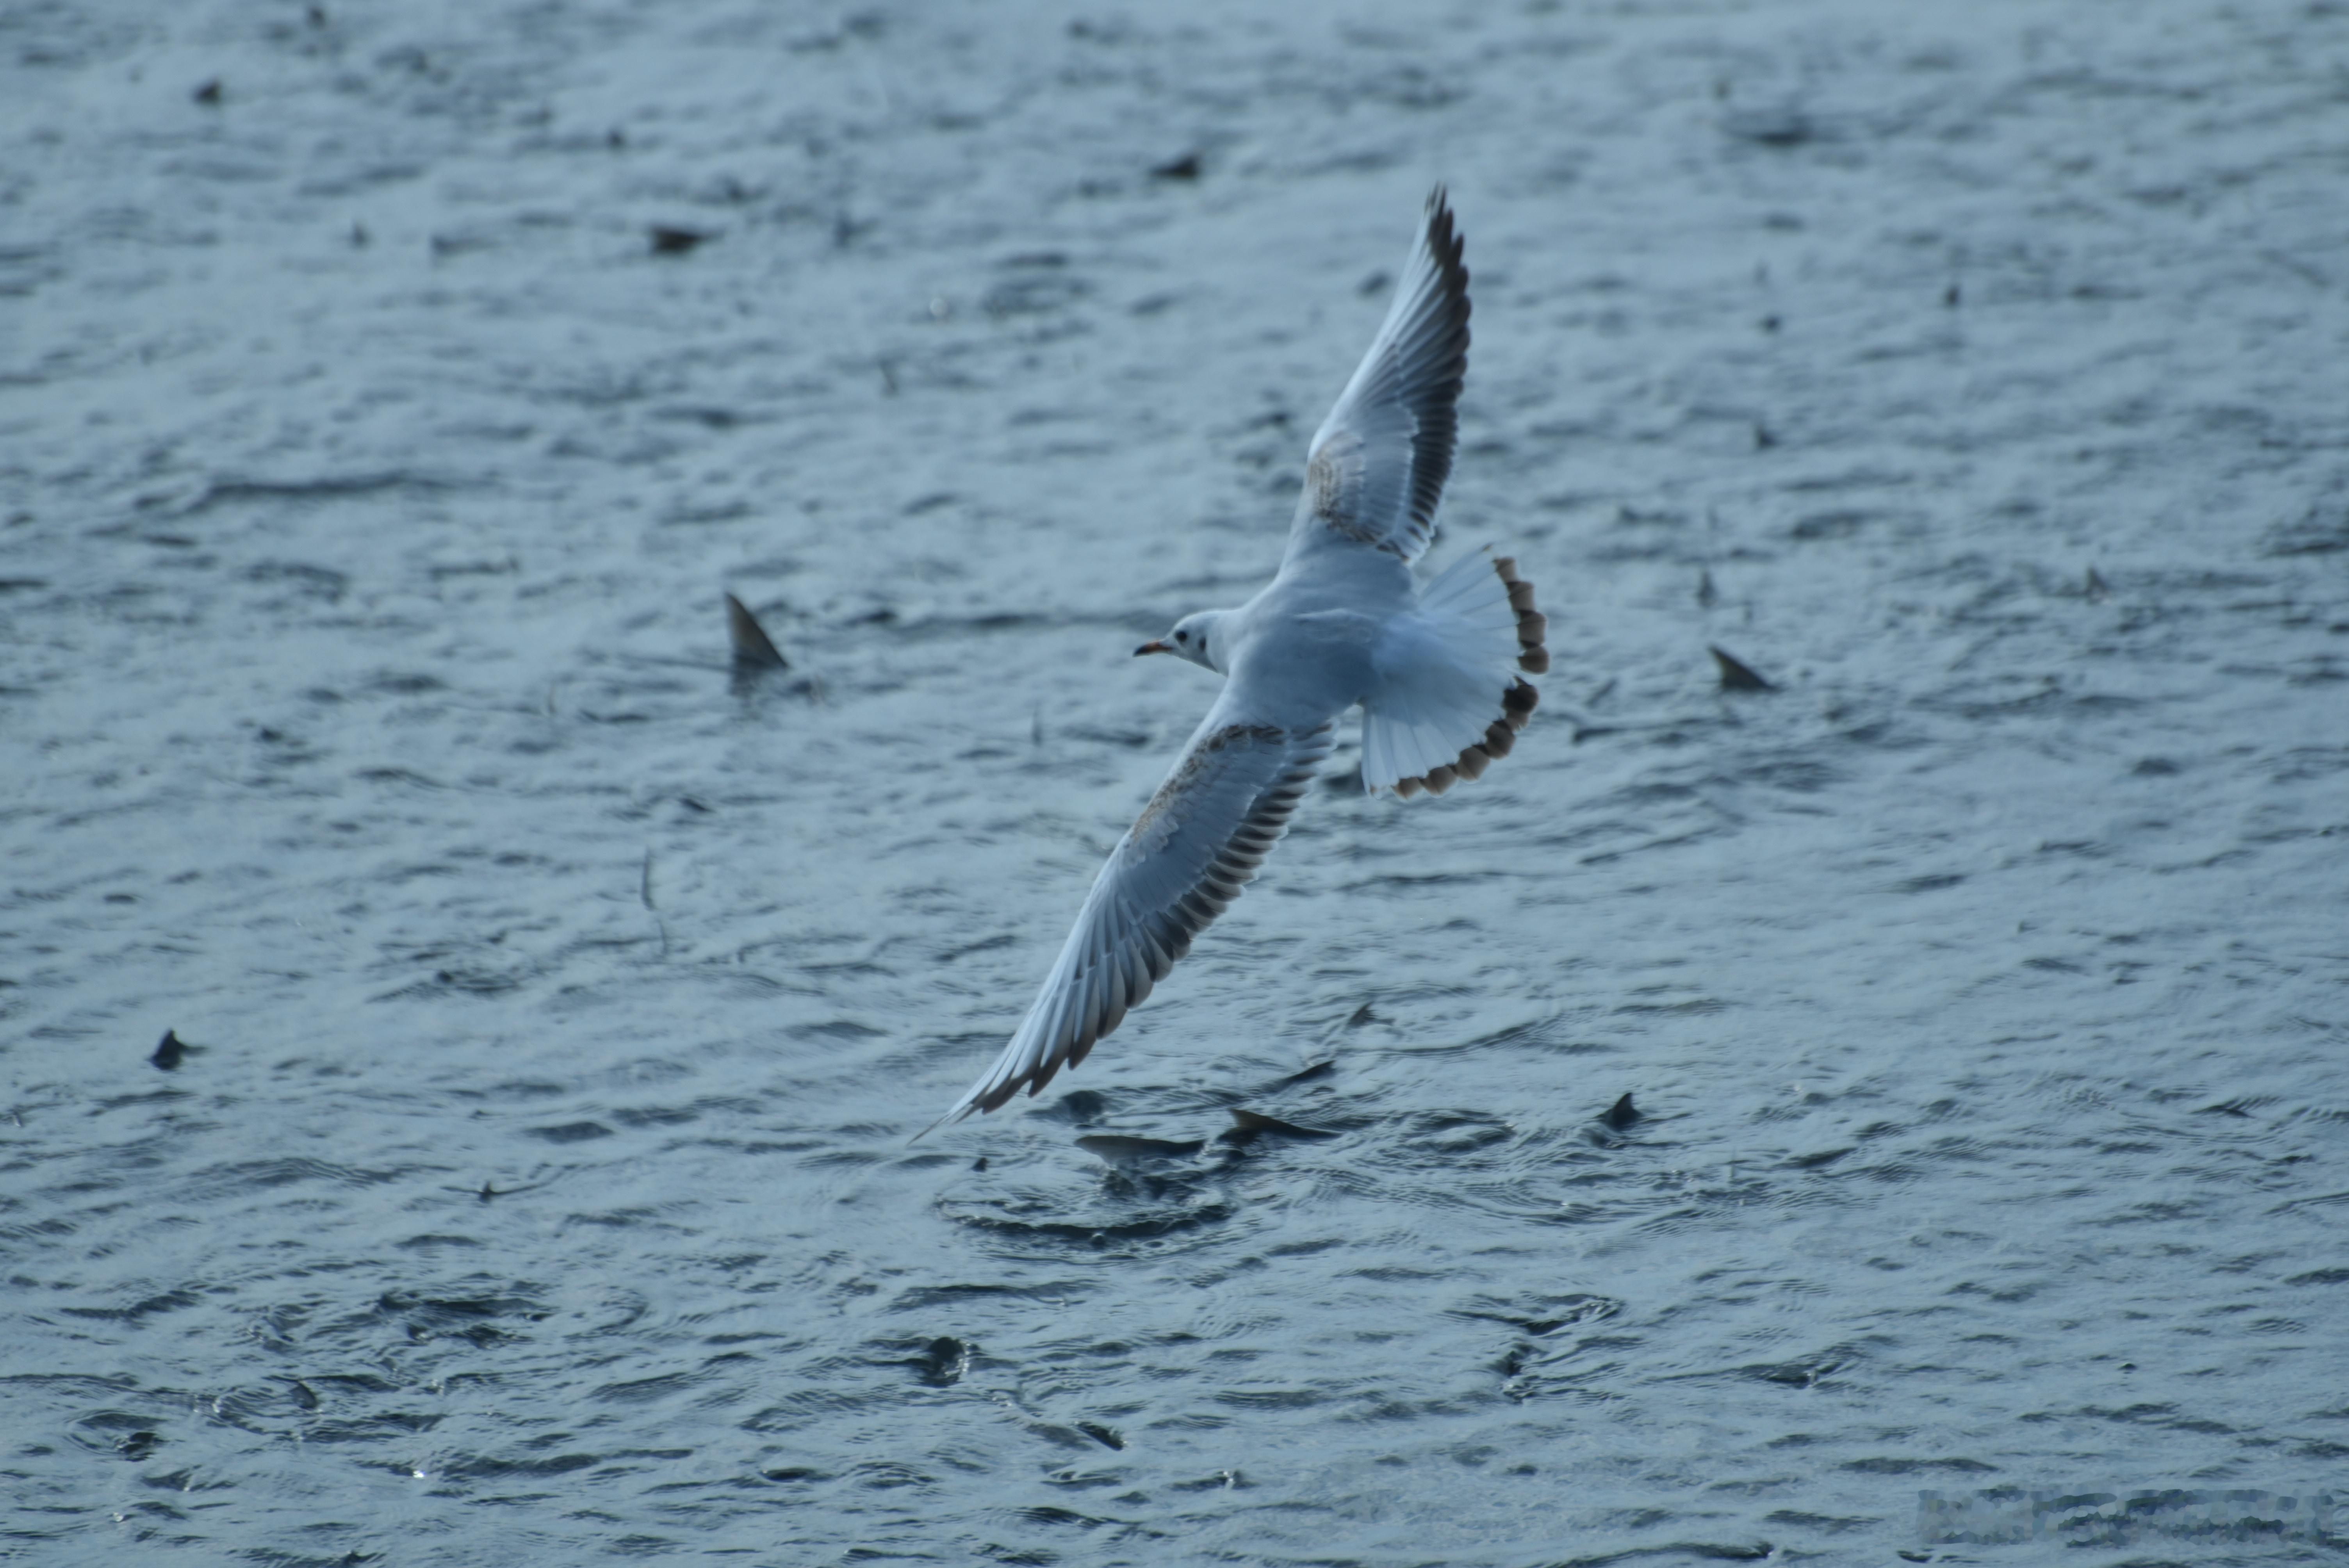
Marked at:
<point>1436,672</point>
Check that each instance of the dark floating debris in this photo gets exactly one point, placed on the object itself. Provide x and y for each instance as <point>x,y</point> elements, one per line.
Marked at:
<point>674,242</point>
<point>1184,168</point>
<point>943,1361</point>
<point>1118,1149</point>
<point>753,649</point>
<point>1079,1107</point>
<point>489,1189</point>
<point>1253,1124</point>
<point>1736,674</point>
<point>1102,1435</point>
<point>794,1472</point>
<point>1623,1113</point>
<point>1320,1069</point>
<point>1770,127</point>
<point>208,94</point>
<point>979,1163</point>
<point>170,1053</point>
<point>1222,1481</point>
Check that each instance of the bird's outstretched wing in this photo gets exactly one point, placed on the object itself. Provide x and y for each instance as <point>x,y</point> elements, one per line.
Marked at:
<point>1378,464</point>
<point>1202,834</point>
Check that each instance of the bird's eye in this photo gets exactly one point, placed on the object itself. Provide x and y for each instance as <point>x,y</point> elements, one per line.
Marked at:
<point>1182,637</point>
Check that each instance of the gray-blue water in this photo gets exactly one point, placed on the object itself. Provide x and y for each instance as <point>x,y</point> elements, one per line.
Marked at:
<point>538,1190</point>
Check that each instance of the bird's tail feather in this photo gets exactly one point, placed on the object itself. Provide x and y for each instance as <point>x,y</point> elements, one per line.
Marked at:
<point>1449,698</point>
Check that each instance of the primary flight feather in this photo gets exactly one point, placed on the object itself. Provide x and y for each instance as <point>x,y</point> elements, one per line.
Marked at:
<point>1436,670</point>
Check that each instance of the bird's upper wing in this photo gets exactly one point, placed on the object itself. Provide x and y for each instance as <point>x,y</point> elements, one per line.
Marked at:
<point>1202,834</point>
<point>1379,462</point>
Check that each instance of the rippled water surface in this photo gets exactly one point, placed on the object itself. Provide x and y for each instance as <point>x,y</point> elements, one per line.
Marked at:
<point>536,1186</point>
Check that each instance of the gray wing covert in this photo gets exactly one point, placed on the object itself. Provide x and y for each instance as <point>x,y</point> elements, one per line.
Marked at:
<point>1204,833</point>
<point>1378,464</point>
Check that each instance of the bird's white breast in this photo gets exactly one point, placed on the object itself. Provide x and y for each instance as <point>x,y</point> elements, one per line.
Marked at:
<point>1301,649</point>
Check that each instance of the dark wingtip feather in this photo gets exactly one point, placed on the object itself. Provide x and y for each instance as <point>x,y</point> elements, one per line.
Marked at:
<point>1438,435</point>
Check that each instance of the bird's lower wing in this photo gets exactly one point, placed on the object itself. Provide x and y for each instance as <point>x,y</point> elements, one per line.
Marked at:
<point>1204,835</point>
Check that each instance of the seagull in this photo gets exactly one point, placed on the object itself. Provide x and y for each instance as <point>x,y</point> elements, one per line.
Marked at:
<point>1435,669</point>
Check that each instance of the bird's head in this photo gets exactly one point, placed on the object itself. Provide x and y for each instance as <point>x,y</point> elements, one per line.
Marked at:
<point>1192,638</point>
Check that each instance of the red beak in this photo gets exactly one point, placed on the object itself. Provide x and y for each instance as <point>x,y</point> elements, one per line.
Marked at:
<point>1151,646</point>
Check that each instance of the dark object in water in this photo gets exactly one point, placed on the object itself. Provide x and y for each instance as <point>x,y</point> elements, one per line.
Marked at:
<point>170,1053</point>
<point>674,242</point>
<point>1622,1114</point>
<point>943,1361</point>
<point>753,649</point>
<point>1779,127</point>
<point>209,94</point>
<point>1184,168</point>
<point>1736,674</point>
<point>1250,1123</point>
<point>1322,1069</point>
<point>1117,1148</point>
<point>1104,1436</point>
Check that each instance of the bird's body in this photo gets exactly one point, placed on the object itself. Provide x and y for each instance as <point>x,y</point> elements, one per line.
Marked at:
<point>1343,623</point>
<point>1310,638</point>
